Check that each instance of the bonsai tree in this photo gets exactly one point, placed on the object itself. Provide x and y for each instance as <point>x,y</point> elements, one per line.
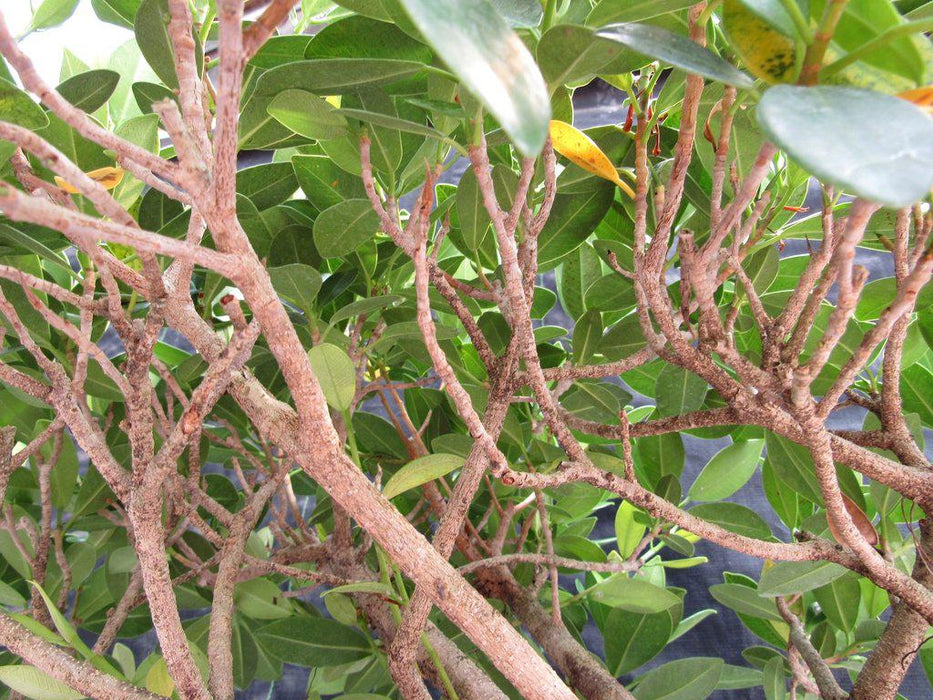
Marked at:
<point>372,406</point>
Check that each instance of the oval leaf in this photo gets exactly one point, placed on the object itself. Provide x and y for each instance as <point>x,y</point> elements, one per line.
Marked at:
<point>421,471</point>
<point>344,227</point>
<point>336,373</point>
<point>581,150</point>
<point>875,146</point>
<point>488,57</point>
<point>676,50</point>
<point>727,471</point>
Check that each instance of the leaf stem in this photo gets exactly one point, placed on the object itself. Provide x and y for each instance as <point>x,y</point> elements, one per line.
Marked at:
<point>803,26</point>
<point>813,60</point>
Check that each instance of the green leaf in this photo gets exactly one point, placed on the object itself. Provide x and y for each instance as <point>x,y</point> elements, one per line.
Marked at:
<point>344,227</point>
<point>118,12</point>
<point>735,518</point>
<point>629,532</point>
<point>324,183</point>
<point>421,471</point>
<point>91,90</point>
<point>491,61</point>
<point>745,600</point>
<point>474,220</point>
<point>307,114</point>
<point>147,94</point>
<point>684,679</point>
<point>17,107</point>
<point>155,44</point>
<point>633,594</point>
<point>297,283</point>
<point>611,11</point>
<point>336,373</point>
<point>727,471</point>
<point>377,587</point>
<point>573,219</point>
<point>51,13</point>
<point>793,465</point>
<point>335,76</point>
<point>36,684</point>
<point>773,679</point>
<point>679,391</point>
<point>865,20</point>
<point>839,601</point>
<point>313,641</point>
<point>623,339</point>
<point>407,126</point>
<point>789,577</point>
<point>568,53</point>
<point>633,638</point>
<point>267,185</point>
<point>825,129</point>
<point>261,599</point>
<point>587,334</point>
<point>676,50</point>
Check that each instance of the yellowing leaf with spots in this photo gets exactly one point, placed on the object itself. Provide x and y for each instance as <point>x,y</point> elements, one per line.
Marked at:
<point>108,177</point>
<point>580,150</point>
<point>922,97</point>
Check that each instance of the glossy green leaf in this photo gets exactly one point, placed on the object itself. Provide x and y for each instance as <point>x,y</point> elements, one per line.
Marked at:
<point>679,391</point>
<point>614,11</point>
<point>568,53</point>
<point>793,465</point>
<point>297,283</point>
<point>17,107</point>
<point>587,334</point>
<point>629,532</point>
<point>773,679</point>
<point>51,13</point>
<point>119,12</point>
<point>634,595</point>
<point>313,641</point>
<point>147,94</point>
<point>307,114</point>
<point>745,600</point>
<point>91,90</point>
<point>634,638</point>
<point>684,679</point>
<point>734,517</point>
<point>839,601</point>
<point>573,219</point>
<point>36,684</point>
<point>335,76</point>
<point>826,128</point>
<point>336,374</point>
<point>676,50</point>
<point>267,185</point>
<point>344,227</point>
<point>727,471</point>
<point>155,44</point>
<point>491,61</point>
<point>789,577</point>
<point>420,471</point>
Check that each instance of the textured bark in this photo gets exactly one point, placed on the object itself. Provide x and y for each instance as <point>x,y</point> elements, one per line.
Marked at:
<point>583,671</point>
<point>889,662</point>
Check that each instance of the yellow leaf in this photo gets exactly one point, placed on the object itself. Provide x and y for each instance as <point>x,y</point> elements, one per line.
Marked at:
<point>108,177</point>
<point>766,52</point>
<point>333,100</point>
<point>580,150</point>
<point>922,97</point>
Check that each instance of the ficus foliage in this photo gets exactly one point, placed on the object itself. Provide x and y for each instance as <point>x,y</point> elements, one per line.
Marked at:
<point>840,88</point>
